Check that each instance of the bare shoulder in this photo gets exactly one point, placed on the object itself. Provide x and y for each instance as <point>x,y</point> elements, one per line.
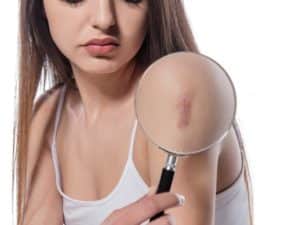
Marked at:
<point>46,102</point>
<point>44,204</point>
<point>43,113</point>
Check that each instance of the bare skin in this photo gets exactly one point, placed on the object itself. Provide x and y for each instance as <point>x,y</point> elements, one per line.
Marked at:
<point>105,98</point>
<point>105,79</point>
<point>184,107</point>
<point>101,112</point>
<point>97,185</point>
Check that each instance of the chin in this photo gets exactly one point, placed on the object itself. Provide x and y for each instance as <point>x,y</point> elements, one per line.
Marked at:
<point>99,65</point>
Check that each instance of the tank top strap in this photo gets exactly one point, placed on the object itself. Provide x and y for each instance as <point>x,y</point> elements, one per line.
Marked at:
<point>53,144</point>
<point>240,141</point>
<point>132,139</point>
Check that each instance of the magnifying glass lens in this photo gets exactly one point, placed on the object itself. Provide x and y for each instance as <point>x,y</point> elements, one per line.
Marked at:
<point>178,102</point>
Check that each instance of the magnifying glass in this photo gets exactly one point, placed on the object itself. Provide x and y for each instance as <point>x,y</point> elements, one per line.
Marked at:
<point>177,105</point>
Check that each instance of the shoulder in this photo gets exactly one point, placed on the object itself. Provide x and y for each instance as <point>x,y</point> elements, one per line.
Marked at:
<point>44,108</point>
<point>47,99</point>
<point>211,100</point>
<point>43,111</point>
<point>38,136</point>
<point>201,99</point>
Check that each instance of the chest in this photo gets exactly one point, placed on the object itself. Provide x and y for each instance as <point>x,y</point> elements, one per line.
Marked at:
<point>91,164</point>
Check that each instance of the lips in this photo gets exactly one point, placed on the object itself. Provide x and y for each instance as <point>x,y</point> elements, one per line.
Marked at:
<point>103,41</point>
<point>97,47</point>
<point>97,50</point>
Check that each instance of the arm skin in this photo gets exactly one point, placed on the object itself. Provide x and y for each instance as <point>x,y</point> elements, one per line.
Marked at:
<point>44,202</point>
<point>183,106</point>
<point>195,176</point>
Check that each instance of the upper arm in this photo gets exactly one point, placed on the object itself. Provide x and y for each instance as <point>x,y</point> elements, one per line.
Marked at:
<point>43,202</point>
<point>196,175</point>
<point>195,178</point>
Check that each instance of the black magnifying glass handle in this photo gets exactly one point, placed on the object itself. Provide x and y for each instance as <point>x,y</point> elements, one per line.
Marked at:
<point>166,179</point>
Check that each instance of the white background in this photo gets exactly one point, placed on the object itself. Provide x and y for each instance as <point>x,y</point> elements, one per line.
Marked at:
<point>257,42</point>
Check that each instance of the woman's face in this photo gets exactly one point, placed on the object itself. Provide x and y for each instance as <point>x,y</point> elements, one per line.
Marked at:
<point>73,23</point>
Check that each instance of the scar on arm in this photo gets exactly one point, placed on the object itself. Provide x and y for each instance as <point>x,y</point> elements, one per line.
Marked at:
<point>183,107</point>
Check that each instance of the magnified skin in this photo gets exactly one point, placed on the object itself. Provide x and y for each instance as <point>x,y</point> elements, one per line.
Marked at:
<point>185,102</point>
<point>184,110</point>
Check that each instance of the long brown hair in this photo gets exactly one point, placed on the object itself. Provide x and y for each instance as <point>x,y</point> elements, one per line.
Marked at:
<point>40,61</point>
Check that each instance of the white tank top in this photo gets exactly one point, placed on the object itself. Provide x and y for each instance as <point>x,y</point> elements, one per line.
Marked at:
<point>231,206</point>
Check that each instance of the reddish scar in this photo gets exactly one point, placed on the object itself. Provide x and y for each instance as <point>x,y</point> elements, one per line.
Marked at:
<point>184,108</point>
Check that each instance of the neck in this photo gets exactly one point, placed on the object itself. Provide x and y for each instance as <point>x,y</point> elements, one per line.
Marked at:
<point>102,94</point>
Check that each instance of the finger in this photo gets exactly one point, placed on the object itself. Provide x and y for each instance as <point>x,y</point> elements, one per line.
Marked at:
<point>149,206</point>
<point>117,212</point>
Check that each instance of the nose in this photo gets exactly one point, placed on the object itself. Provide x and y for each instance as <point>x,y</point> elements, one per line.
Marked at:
<point>103,14</point>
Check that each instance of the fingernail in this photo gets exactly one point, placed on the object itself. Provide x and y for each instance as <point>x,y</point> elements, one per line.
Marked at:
<point>171,219</point>
<point>181,198</point>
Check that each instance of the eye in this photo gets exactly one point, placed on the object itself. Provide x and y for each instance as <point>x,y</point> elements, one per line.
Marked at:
<point>73,2</point>
<point>134,1</point>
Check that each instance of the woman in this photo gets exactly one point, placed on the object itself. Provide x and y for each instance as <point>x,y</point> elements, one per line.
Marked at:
<point>61,170</point>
